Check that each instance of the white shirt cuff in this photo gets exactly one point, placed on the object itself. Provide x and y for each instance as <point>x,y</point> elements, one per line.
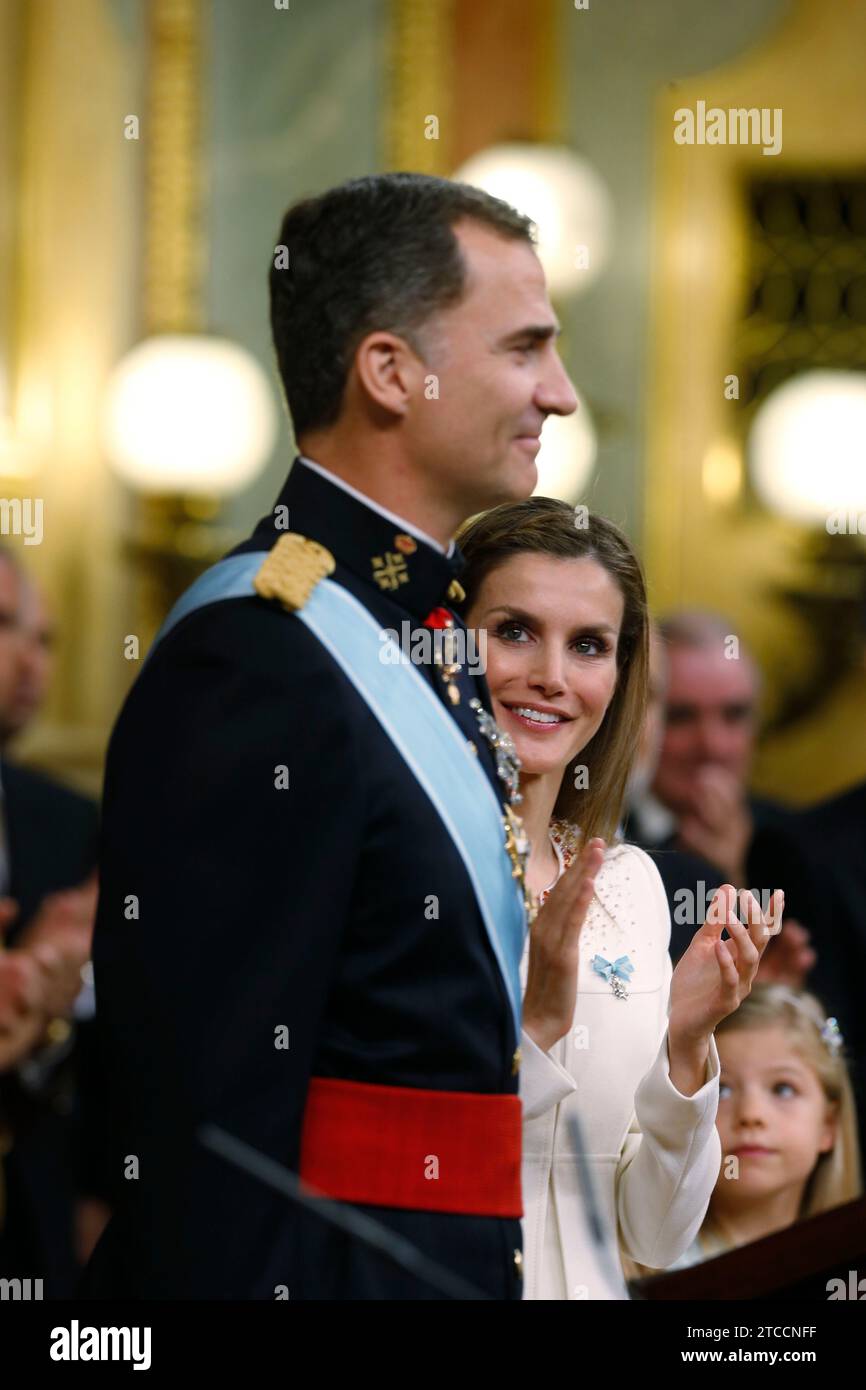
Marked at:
<point>543,1081</point>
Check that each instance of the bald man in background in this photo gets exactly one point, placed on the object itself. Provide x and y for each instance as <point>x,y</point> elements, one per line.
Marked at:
<point>701,784</point>
<point>47,906</point>
<point>26,684</point>
<point>689,803</point>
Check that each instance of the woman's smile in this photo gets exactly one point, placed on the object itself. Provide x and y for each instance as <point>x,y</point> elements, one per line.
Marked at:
<point>536,719</point>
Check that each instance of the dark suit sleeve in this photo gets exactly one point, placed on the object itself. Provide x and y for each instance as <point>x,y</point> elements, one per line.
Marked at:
<point>789,857</point>
<point>52,837</point>
<point>782,856</point>
<point>243,891</point>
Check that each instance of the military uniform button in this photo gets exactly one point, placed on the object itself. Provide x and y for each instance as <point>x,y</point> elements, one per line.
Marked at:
<point>518,1263</point>
<point>515,1062</point>
<point>471,746</point>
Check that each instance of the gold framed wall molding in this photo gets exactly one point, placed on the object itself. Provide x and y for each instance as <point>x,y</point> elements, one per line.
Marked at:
<point>485,70</point>
<point>704,547</point>
<point>76,207</point>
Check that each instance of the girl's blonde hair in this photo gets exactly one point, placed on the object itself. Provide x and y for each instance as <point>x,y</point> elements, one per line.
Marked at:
<point>837,1175</point>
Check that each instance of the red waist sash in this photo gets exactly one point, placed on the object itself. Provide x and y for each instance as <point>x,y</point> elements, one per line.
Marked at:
<point>396,1146</point>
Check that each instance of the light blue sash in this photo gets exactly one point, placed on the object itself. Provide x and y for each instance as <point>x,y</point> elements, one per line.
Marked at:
<point>422,730</point>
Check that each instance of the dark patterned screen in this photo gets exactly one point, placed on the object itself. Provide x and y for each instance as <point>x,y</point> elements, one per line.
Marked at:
<point>806,282</point>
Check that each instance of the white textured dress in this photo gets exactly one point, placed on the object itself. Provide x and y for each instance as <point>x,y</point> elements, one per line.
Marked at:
<point>652,1154</point>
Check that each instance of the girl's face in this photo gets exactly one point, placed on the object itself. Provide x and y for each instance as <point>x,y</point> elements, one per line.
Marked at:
<point>773,1114</point>
<point>552,632</point>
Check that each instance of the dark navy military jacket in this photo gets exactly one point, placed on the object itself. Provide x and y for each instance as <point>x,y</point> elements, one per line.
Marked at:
<point>261,908</point>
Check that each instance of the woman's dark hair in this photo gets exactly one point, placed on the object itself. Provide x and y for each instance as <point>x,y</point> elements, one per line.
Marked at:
<point>374,253</point>
<point>547,526</point>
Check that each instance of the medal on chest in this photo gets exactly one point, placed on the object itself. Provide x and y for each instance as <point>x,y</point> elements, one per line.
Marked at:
<point>508,770</point>
<point>504,751</point>
<point>517,848</point>
<point>617,973</point>
<point>445,650</point>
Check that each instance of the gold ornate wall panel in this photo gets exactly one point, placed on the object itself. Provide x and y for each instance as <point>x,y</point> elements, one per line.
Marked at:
<point>719,277</point>
<point>175,246</point>
<point>76,246</point>
<point>805,281</point>
<point>419,71</point>
<point>11,26</point>
<point>488,70</point>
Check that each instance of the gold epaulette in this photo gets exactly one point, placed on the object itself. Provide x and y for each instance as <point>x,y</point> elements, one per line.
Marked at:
<point>292,569</point>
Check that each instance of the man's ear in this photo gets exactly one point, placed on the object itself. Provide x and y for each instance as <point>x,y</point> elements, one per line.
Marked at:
<point>389,372</point>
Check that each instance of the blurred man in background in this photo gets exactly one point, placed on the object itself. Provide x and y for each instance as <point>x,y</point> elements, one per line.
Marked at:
<point>700,791</point>
<point>689,805</point>
<point>28,677</point>
<point>47,907</point>
<point>680,869</point>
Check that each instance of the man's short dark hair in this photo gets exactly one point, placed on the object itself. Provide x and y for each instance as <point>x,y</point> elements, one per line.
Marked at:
<point>374,253</point>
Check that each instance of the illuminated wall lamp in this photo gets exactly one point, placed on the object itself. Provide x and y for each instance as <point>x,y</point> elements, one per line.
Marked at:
<point>807,448</point>
<point>189,415</point>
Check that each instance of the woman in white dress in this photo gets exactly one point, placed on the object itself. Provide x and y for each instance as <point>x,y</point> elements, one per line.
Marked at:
<point>610,1037</point>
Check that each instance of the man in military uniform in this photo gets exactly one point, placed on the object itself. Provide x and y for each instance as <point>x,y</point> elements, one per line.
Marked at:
<point>309,928</point>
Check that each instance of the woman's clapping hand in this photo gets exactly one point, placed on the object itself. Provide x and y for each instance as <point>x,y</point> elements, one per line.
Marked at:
<point>713,976</point>
<point>554,950</point>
